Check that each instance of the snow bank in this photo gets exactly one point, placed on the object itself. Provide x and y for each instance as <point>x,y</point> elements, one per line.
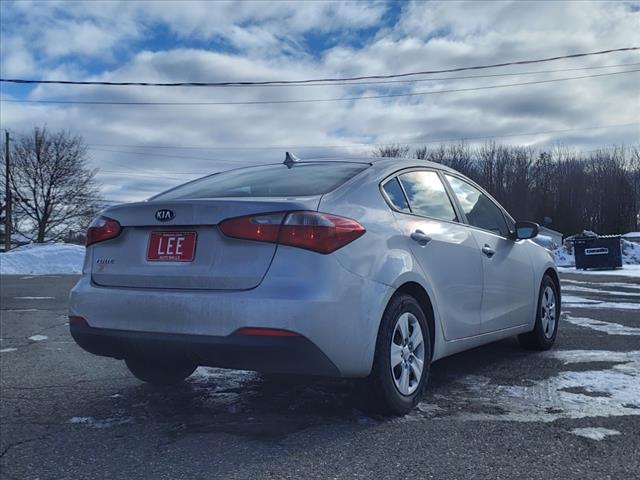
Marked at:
<point>43,259</point>
<point>630,253</point>
<point>563,257</point>
<point>545,241</point>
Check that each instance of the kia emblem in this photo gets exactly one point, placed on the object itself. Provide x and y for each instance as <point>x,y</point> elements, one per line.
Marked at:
<point>164,215</point>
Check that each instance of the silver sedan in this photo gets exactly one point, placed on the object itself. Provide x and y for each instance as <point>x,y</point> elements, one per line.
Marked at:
<point>353,268</point>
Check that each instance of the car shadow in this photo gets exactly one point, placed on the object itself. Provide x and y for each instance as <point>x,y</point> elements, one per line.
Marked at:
<point>270,408</point>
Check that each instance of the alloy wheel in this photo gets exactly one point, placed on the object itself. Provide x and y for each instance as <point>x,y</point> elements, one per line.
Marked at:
<point>407,354</point>
<point>548,312</point>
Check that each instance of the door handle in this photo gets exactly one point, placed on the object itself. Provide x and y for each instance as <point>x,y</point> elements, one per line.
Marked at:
<point>420,237</point>
<point>488,251</point>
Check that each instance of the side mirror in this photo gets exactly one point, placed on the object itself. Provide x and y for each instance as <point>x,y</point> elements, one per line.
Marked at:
<point>526,230</point>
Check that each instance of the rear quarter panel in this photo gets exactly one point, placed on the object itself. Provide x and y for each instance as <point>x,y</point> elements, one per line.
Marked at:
<point>381,255</point>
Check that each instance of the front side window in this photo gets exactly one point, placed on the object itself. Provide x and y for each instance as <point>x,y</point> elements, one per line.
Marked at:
<point>311,178</point>
<point>480,211</point>
<point>427,195</point>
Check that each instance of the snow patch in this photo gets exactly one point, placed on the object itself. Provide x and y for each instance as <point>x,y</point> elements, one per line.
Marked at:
<point>545,241</point>
<point>34,298</point>
<point>600,326</point>
<point>38,338</point>
<point>563,257</point>
<point>575,299</point>
<point>43,259</point>
<point>594,433</point>
<point>429,408</point>
<point>608,392</point>
<point>586,356</point>
<point>104,423</point>
<point>604,305</point>
<point>630,252</point>
<point>633,286</point>
<point>7,350</point>
<point>625,271</point>
<point>576,288</point>
<point>572,301</point>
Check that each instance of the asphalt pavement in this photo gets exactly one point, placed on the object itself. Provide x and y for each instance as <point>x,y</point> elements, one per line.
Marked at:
<point>496,412</point>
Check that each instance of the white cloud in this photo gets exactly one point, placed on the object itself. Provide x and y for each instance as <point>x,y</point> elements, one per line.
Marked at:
<point>89,29</point>
<point>16,60</point>
<point>269,38</point>
<point>83,38</point>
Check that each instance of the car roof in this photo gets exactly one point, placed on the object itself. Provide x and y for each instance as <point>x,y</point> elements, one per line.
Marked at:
<point>384,162</point>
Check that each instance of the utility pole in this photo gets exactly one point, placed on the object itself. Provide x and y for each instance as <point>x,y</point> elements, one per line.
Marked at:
<point>7,194</point>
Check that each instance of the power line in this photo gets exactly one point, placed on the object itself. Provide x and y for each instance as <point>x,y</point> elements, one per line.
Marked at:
<point>345,146</point>
<point>459,77</point>
<point>312,100</point>
<point>163,155</point>
<point>335,79</point>
<point>436,79</point>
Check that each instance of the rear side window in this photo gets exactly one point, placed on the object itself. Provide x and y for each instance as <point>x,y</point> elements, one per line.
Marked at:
<point>427,195</point>
<point>268,181</point>
<point>480,211</point>
<point>396,195</point>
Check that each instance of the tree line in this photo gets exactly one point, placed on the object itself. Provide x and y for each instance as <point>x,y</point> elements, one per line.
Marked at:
<point>55,193</point>
<point>565,190</point>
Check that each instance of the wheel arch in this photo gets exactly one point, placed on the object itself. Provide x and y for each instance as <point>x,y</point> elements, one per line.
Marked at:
<point>418,292</point>
<point>551,272</point>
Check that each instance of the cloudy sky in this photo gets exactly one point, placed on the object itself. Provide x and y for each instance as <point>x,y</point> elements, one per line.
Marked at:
<point>254,41</point>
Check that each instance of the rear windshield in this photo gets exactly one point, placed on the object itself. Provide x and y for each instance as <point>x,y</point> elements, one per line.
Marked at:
<point>268,181</point>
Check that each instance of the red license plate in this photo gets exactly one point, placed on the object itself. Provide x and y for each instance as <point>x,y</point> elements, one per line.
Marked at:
<point>172,246</point>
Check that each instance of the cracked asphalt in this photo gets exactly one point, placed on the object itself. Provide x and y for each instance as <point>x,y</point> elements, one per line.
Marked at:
<point>495,412</point>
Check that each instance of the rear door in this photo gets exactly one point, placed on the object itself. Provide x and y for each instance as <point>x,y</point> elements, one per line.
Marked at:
<point>443,247</point>
<point>508,272</point>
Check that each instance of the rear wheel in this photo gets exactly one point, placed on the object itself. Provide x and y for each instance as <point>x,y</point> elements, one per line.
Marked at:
<point>402,358</point>
<point>545,331</point>
<point>157,372</point>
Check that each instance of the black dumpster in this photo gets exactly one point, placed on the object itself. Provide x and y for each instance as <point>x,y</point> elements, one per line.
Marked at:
<point>598,252</point>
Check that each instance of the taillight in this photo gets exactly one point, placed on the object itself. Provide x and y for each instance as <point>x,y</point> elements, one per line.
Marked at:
<point>262,228</point>
<point>319,232</point>
<point>101,229</point>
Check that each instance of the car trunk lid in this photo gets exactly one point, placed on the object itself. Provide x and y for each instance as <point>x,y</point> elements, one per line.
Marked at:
<point>138,257</point>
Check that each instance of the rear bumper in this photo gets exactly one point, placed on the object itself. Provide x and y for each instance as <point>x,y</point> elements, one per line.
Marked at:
<point>336,311</point>
<point>296,355</point>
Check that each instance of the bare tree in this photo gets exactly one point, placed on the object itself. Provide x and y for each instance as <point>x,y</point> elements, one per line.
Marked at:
<point>396,151</point>
<point>633,169</point>
<point>54,190</point>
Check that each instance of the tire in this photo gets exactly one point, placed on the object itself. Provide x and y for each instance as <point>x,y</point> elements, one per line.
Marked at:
<point>397,388</point>
<point>158,372</point>
<point>545,331</point>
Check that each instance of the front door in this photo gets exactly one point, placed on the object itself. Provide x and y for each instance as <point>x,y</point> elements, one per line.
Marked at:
<point>508,272</point>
